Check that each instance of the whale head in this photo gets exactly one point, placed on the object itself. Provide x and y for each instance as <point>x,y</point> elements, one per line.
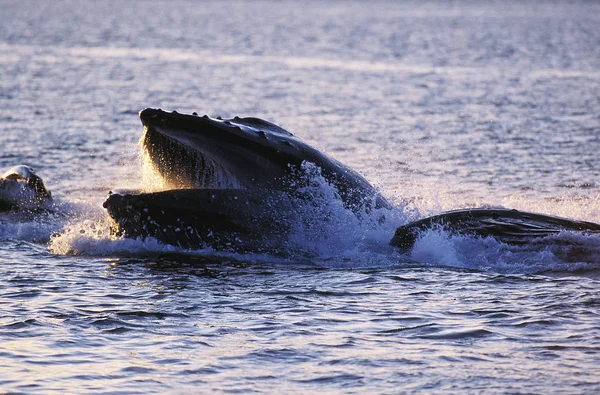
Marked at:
<point>191,151</point>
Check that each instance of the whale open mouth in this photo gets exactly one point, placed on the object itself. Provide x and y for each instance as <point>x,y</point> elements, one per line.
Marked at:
<point>191,151</point>
<point>183,166</point>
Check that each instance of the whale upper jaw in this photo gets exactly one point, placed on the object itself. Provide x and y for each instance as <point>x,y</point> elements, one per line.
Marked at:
<point>192,151</point>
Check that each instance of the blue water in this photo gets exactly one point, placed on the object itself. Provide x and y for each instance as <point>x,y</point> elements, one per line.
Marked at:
<point>442,105</point>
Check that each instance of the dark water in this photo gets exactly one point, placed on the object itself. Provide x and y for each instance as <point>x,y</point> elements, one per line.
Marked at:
<point>442,105</point>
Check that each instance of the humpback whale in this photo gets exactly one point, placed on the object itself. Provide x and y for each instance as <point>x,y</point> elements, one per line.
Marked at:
<point>22,189</point>
<point>238,183</point>
<point>235,183</point>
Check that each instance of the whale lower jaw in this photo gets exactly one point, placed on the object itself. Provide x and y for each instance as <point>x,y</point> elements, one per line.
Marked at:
<point>231,219</point>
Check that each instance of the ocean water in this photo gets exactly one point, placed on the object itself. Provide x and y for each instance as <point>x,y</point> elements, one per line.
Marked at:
<point>442,105</point>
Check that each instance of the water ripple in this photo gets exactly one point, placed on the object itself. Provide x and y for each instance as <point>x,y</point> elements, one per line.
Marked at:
<point>443,105</point>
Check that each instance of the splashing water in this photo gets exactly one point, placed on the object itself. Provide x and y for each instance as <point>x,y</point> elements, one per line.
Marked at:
<point>151,180</point>
<point>329,235</point>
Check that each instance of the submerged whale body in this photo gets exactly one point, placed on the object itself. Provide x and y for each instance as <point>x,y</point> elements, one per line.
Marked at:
<point>22,189</point>
<point>505,225</point>
<point>237,184</point>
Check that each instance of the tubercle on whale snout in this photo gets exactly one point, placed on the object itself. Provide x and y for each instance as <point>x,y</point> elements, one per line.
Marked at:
<point>151,115</point>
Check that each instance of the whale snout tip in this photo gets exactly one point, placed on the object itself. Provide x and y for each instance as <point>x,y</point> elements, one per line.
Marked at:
<point>146,112</point>
<point>149,115</point>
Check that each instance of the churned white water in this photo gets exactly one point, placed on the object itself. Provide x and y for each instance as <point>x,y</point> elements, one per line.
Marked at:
<point>441,105</point>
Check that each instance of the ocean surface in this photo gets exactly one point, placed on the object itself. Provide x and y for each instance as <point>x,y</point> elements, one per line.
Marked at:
<point>441,105</point>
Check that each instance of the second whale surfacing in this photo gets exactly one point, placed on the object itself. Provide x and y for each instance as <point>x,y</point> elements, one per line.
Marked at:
<point>239,184</point>
<point>22,189</point>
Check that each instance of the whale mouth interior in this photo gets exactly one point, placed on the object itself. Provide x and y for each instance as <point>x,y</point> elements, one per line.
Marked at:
<point>182,164</point>
<point>191,151</point>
